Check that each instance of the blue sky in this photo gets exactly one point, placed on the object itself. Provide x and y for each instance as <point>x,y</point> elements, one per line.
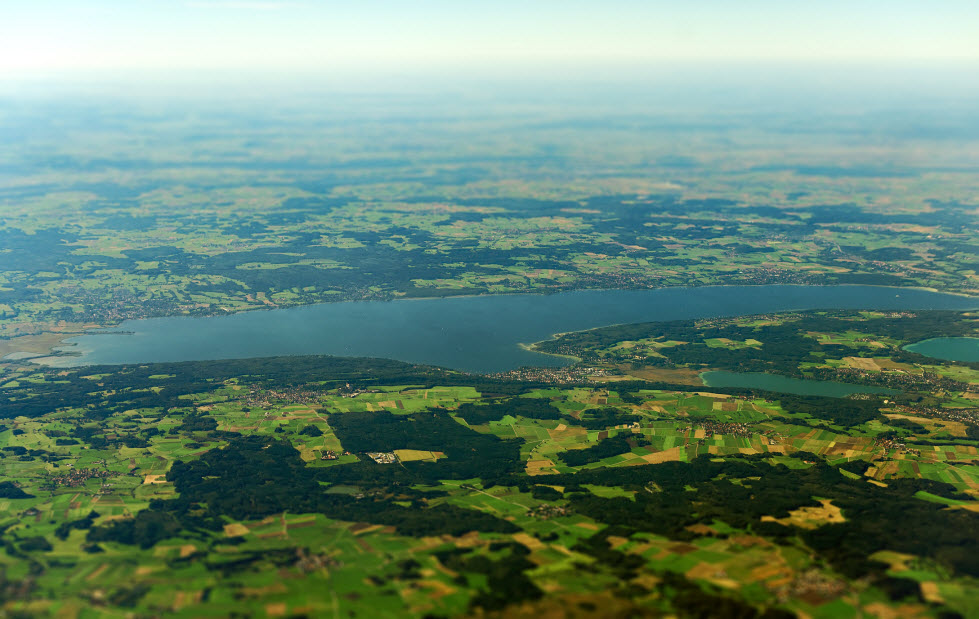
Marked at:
<point>92,36</point>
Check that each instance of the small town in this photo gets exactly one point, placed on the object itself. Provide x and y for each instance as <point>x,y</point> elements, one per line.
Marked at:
<point>77,477</point>
<point>562,376</point>
<point>740,430</point>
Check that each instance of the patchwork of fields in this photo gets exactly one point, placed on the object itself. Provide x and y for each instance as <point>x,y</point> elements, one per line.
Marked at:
<point>447,494</point>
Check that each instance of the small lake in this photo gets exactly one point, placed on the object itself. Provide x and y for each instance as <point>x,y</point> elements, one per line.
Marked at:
<point>948,348</point>
<point>474,334</point>
<point>784,384</point>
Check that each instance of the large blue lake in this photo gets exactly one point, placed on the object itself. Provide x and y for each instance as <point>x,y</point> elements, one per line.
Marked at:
<point>476,334</point>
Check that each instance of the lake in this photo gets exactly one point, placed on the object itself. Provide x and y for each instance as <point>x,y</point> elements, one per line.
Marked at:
<point>948,348</point>
<point>784,384</point>
<point>474,334</point>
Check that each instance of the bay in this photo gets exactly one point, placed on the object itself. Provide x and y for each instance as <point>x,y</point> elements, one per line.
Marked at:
<point>948,348</point>
<point>474,334</point>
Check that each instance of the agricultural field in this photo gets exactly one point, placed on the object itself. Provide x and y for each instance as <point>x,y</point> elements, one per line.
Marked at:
<point>345,487</point>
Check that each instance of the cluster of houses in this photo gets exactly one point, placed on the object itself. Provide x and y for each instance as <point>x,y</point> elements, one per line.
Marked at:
<point>964,415</point>
<point>545,511</point>
<point>77,477</point>
<point>739,429</point>
<point>569,375</point>
<point>268,398</point>
<point>773,437</point>
<point>888,443</point>
<point>382,457</point>
<point>348,391</point>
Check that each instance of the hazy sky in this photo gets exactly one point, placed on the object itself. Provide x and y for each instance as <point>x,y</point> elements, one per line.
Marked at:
<point>79,36</point>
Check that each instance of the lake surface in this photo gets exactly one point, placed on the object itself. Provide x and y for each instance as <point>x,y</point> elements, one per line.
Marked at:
<point>948,348</point>
<point>475,334</point>
<point>784,384</point>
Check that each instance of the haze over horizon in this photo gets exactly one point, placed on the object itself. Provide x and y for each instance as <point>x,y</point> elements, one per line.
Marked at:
<point>56,40</point>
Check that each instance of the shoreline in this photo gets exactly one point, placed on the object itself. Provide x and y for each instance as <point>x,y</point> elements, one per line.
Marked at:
<point>100,329</point>
<point>531,348</point>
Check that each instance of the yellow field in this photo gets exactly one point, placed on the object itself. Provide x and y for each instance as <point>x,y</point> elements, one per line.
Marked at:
<point>955,428</point>
<point>810,517</point>
<point>413,455</point>
<point>862,363</point>
<point>667,455</point>
<point>235,529</point>
<point>540,467</point>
